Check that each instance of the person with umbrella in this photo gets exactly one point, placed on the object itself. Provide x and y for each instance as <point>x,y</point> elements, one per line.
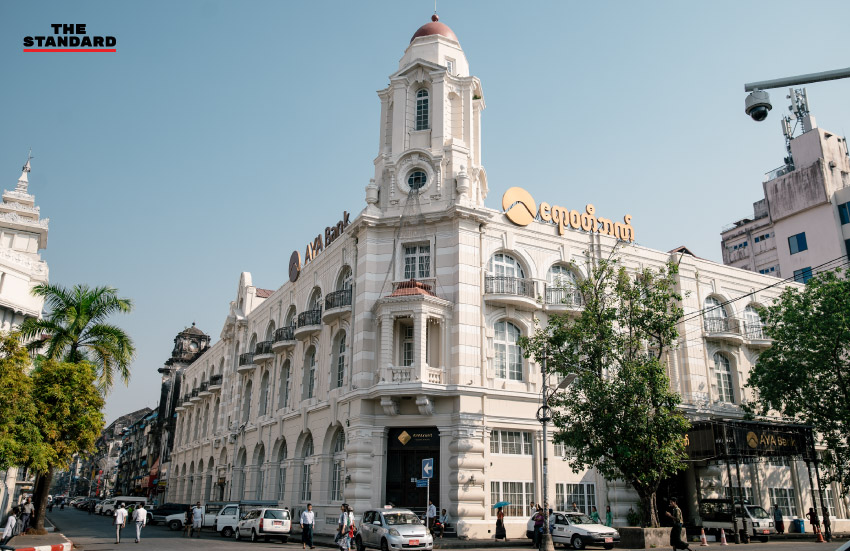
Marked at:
<point>500,521</point>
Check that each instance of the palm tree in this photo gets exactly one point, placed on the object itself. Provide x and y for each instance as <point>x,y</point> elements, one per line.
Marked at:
<point>75,330</point>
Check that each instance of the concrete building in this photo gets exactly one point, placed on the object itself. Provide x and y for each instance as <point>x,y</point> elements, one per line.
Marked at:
<point>22,235</point>
<point>395,340</point>
<point>803,221</point>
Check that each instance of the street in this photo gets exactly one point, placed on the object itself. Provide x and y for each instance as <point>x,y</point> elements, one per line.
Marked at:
<point>96,533</point>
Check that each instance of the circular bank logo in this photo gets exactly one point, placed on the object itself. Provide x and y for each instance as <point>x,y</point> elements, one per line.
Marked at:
<point>519,206</point>
<point>294,266</point>
<point>752,440</point>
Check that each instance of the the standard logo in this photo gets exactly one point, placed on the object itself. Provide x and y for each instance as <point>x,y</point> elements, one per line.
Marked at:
<point>69,37</point>
<point>521,209</point>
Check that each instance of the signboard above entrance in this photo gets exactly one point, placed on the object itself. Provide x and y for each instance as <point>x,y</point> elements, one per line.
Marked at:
<point>742,439</point>
<point>413,438</point>
<point>521,209</point>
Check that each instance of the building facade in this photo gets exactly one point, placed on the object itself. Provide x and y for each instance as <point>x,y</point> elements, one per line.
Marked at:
<point>803,222</point>
<point>23,233</point>
<point>395,339</point>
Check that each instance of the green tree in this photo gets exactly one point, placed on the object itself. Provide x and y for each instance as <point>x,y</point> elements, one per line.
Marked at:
<point>619,416</point>
<point>69,418</point>
<point>76,330</point>
<point>805,374</point>
<point>20,439</point>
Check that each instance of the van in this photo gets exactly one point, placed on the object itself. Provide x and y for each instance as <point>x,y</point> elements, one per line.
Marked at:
<point>231,513</point>
<point>753,520</point>
<point>108,506</point>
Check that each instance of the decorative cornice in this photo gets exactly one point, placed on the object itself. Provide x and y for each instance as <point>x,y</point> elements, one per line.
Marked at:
<point>34,267</point>
<point>20,207</point>
<point>15,218</point>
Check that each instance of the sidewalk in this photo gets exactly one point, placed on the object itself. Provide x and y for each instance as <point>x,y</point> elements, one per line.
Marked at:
<point>48,542</point>
<point>444,543</point>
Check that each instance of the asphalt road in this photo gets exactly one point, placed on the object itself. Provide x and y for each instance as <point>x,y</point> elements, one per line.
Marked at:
<point>96,533</point>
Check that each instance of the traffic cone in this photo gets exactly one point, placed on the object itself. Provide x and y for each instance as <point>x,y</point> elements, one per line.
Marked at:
<point>723,537</point>
<point>702,541</point>
<point>820,538</point>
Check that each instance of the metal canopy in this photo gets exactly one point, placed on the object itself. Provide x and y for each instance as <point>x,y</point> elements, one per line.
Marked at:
<point>747,441</point>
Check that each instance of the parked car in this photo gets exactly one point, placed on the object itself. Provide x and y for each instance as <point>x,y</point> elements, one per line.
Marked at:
<point>230,514</point>
<point>176,520</point>
<point>716,515</point>
<point>577,530</point>
<point>107,507</point>
<point>392,528</point>
<point>266,523</point>
<point>158,514</point>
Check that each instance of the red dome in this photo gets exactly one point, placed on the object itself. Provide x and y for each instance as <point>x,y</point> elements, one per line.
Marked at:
<point>434,27</point>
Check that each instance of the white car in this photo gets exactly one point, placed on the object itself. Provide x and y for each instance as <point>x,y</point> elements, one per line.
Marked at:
<point>577,530</point>
<point>266,523</point>
<point>392,529</point>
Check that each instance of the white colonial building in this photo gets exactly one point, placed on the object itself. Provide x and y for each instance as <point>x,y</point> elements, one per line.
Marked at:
<point>394,339</point>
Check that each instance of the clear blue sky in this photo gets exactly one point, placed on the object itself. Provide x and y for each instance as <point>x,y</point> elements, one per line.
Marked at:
<point>189,156</point>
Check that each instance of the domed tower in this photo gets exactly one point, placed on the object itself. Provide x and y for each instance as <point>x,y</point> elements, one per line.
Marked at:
<point>430,132</point>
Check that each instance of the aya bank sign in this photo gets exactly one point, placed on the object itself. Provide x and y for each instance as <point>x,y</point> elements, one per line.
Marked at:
<point>521,209</point>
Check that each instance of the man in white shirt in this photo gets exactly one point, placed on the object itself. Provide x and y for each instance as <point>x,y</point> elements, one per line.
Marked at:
<point>431,516</point>
<point>140,517</point>
<point>308,518</point>
<point>9,531</point>
<point>120,522</point>
<point>197,518</point>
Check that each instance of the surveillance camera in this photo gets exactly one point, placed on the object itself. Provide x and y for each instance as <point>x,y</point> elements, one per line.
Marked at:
<point>757,105</point>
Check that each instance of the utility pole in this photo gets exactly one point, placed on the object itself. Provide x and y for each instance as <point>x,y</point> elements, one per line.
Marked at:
<point>543,416</point>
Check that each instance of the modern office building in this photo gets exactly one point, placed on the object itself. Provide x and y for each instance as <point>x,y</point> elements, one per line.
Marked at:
<point>395,339</point>
<point>803,221</point>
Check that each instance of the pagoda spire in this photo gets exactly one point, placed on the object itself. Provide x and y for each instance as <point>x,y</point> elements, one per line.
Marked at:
<point>23,181</point>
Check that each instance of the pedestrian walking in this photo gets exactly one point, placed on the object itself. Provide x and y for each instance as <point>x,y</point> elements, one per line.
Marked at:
<point>120,522</point>
<point>431,515</point>
<point>778,521</point>
<point>500,525</point>
<point>539,519</point>
<point>827,525</point>
<point>308,519</point>
<point>609,518</point>
<point>676,531</point>
<point>197,518</point>
<point>594,515</point>
<point>345,528</point>
<point>812,515</point>
<point>27,511</point>
<point>9,530</point>
<point>140,517</point>
<point>90,507</point>
<point>187,522</point>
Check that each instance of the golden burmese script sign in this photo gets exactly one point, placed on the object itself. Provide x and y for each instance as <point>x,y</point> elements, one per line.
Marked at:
<point>521,209</point>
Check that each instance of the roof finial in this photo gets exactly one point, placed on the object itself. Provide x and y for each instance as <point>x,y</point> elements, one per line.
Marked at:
<point>23,181</point>
<point>435,7</point>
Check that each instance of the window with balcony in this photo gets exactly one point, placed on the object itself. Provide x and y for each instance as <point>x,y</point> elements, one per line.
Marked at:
<point>752,323</point>
<point>338,376</point>
<point>417,261</point>
<point>562,286</point>
<point>505,265</point>
<point>797,243</point>
<point>215,416</point>
<point>508,353</point>
<point>723,375</point>
<point>715,316</point>
<point>309,386</point>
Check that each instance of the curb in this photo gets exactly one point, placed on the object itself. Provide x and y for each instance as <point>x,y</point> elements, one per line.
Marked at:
<point>66,546</point>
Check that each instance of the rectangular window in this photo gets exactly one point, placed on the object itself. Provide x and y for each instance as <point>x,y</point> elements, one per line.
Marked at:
<point>336,480</point>
<point>797,243</point>
<point>747,491</point>
<point>847,246</point>
<point>844,213</point>
<point>829,500</point>
<point>520,495</point>
<point>803,275</point>
<point>450,66</point>
<point>407,346</point>
<point>306,483</point>
<point>583,495</point>
<point>417,261</point>
<point>281,484</point>
<point>786,499</point>
<point>510,442</point>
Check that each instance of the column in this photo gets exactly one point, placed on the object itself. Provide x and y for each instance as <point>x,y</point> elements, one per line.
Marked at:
<point>419,343</point>
<point>466,475</point>
<point>385,356</point>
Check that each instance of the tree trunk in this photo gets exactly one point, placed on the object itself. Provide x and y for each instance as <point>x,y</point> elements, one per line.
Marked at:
<point>648,509</point>
<point>40,498</point>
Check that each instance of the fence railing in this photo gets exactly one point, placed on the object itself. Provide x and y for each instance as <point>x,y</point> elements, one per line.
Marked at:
<point>338,299</point>
<point>246,358</point>
<point>504,285</point>
<point>310,317</point>
<point>264,347</point>
<point>285,334</point>
<point>564,295</point>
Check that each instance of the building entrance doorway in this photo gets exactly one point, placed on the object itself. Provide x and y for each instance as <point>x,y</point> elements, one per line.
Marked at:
<point>406,448</point>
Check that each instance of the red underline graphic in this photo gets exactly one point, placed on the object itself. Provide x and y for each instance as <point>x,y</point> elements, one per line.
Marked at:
<point>70,49</point>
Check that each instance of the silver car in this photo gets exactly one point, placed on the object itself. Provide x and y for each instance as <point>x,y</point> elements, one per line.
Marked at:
<point>392,529</point>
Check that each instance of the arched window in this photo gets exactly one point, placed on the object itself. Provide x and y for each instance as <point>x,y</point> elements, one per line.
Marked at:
<point>343,282</point>
<point>508,352</point>
<point>338,375</point>
<point>260,459</point>
<point>561,275</point>
<point>205,427</point>
<point>307,471</point>
<point>236,357</point>
<point>422,110</point>
<point>283,399</point>
<point>309,384</point>
<point>290,317</point>
<point>715,316</point>
<point>264,394</point>
<point>752,323</point>
<point>562,286</point>
<point>315,302</point>
<point>338,474</point>
<point>215,416</point>
<point>270,331</point>
<point>506,266</point>
<point>724,378</point>
<point>246,401</point>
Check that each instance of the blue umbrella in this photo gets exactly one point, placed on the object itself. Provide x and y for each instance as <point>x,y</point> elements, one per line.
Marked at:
<point>501,504</point>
